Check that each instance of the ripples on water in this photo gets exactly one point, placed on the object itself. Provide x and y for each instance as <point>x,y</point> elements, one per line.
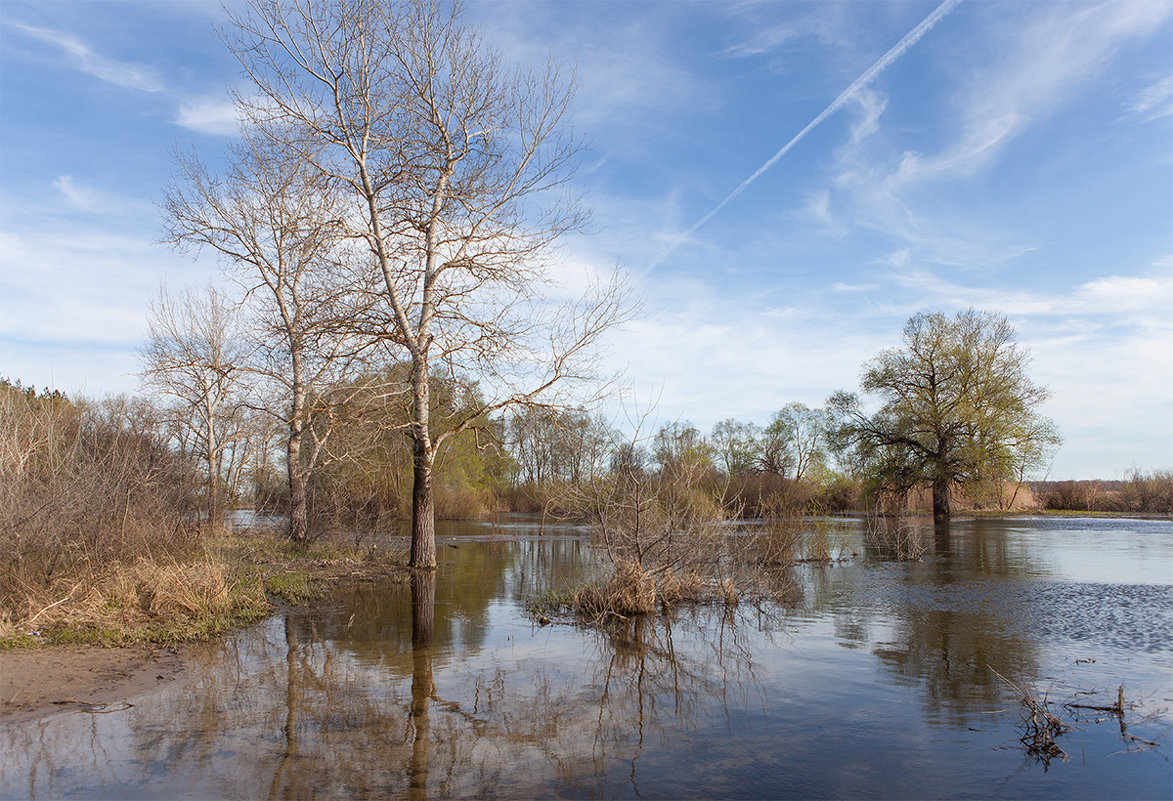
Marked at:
<point>874,679</point>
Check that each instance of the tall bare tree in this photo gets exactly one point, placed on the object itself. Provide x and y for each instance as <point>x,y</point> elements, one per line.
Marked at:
<point>795,440</point>
<point>195,353</point>
<point>452,172</point>
<point>275,222</point>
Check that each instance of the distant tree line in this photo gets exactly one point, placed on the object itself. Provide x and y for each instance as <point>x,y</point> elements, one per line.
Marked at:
<point>957,415</point>
<point>1138,493</point>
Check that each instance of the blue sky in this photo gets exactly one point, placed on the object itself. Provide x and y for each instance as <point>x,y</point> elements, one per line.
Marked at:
<point>1016,157</point>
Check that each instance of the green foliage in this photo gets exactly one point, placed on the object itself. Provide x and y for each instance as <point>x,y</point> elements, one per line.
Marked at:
<point>795,442</point>
<point>366,476</point>
<point>294,587</point>
<point>957,409</point>
<point>681,452</point>
<point>737,446</point>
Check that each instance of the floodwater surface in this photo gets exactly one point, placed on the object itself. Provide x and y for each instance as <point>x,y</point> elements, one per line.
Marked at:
<point>867,678</point>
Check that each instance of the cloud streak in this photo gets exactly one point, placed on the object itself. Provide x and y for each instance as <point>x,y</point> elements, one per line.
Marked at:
<point>860,83</point>
<point>83,58</point>
<point>203,115</point>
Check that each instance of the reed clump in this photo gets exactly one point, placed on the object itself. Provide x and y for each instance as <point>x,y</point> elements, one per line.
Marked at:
<point>677,587</point>
<point>896,538</point>
<point>631,590</point>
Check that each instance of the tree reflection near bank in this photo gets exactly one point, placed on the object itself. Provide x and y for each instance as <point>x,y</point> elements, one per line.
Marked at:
<point>437,686</point>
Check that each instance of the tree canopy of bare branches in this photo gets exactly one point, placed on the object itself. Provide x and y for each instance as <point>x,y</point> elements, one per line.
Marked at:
<point>274,221</point>
<point>450,172</point>
<point>195,354</point>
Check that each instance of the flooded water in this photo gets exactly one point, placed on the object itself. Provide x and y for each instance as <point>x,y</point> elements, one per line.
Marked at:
<point>872,678</point>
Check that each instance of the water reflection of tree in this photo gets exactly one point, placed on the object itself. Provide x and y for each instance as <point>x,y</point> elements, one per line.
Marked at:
<point>373,620</point>
<point>946,622</point>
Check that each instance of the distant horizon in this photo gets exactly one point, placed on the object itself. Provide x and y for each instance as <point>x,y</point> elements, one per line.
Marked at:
<point>786,183</point>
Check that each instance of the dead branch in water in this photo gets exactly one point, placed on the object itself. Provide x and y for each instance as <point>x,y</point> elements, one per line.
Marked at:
<point>1116,708</point>
<point>1040,726</point>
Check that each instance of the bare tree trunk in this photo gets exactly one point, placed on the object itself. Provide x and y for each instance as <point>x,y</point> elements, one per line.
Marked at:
<point>213,476</point>
<point>941,510</point>
<point>423,504</point>
<point>298,513</point>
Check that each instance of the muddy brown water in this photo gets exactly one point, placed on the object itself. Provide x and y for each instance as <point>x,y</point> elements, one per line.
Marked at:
<point>871,678</point>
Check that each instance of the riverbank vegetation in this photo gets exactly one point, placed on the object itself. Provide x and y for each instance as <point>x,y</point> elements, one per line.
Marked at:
<point>113,516</point>
<point>1138,493</point>
<point>106,534</point>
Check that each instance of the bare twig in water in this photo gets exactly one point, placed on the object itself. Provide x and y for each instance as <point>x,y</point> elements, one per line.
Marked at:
<point>1040,726</point>
<point>1116,708</point>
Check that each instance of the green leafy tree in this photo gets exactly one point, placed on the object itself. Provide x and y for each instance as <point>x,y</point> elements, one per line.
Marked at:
<point>679,449</point>
<point>957,407</point>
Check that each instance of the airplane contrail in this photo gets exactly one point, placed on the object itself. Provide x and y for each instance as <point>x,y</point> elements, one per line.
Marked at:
<point>911,38</point>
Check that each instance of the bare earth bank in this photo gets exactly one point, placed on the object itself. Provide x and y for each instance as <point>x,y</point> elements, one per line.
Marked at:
<point>38,682</point>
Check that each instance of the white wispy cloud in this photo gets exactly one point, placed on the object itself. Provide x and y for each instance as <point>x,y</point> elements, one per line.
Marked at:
<point>629,77</point>
<point>1022,69</point>
<point>1154,101</point>
<point>1049,52</point>
<point>1144,298</point>
<point>857,86</point>
<point>817,209</point>
<point>823,23</point>
<point>83,58</point>
<point>208,115</point>
<point>74,195</point>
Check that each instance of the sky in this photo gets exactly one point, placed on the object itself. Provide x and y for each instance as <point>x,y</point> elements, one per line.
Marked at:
<point>786,184</point>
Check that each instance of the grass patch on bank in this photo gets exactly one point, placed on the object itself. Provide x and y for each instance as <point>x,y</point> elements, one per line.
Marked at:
<point>232,580</point>
<point>294,587</point>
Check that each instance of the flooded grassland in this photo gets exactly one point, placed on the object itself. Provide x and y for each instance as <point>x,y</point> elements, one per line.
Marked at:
<point>868,678</point>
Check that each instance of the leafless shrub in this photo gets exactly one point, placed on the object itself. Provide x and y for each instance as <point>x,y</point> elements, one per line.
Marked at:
<point>83,487</point>
<point>896,538</point>
<point>777,541</point>
<point>657,522</point>
<point>824,541</point>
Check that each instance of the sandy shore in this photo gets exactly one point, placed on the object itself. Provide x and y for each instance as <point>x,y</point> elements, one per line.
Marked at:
<point>39,682</point>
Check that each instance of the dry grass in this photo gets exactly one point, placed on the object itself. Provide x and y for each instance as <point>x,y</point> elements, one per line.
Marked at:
<point>630,591</point>
<point>143,601</point>
<point>675,588</point>
<point>85,489</point>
